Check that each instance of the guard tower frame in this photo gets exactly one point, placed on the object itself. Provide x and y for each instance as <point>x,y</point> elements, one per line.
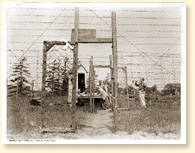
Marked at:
<point>83,36</point>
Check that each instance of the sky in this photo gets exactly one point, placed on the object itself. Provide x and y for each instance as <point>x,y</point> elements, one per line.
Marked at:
<point>149,38</point>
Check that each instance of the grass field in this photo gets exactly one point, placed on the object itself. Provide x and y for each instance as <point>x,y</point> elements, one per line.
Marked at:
<point>160,117</point>
<point>24,118</point>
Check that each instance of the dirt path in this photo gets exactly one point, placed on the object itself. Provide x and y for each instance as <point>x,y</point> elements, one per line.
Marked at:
<point>100,126</point>
<point>97,125</point>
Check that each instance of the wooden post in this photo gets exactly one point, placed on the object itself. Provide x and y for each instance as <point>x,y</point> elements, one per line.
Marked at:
<point>126,78</point>
<point>91,83</point>
<point>32,89</point>
<point>75,64</point>
<point>17,89</point>
<point>112,79</point>
<point>115,61</point>
<point>44,66</point>
<point>53,79</point>
<point>16,104</point>
<point>43,81</point>
<point>65,75</point>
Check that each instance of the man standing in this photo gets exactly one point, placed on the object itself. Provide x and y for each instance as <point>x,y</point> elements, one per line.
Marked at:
<point>141,88</point>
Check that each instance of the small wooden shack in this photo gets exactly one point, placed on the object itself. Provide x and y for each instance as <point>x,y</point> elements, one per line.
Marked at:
<point>81,80</point>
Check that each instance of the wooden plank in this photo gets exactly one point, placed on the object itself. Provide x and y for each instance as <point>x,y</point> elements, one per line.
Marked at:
<point>95,40</point>
<point>84,33</point>
<point>89,36</point>
<point>75,64</point>
<point>50,44</point>
<point>87,96</point>
<point>123,109</point>
<point>102,66</point>
<point>123,68</point>
<point>57,130</point>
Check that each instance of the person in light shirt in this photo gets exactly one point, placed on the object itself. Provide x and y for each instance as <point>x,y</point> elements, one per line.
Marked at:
<point>141,86</point>
<point>104,93</point>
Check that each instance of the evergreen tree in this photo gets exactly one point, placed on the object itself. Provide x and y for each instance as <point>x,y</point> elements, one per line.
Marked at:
<point>54,79</point>
<point>20,81</point>
<point>172,86</point>
<point>65,78</point>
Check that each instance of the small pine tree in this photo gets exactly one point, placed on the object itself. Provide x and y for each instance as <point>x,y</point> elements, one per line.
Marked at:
<point>20,82</point>
<point>54,78</point>
<point>64,87</point>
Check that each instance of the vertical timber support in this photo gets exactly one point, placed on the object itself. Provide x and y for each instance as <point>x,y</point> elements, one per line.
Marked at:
<point>126,78</point>
<point>93,85</point>
<point>115,61</point>
<point>32,89</point>
<point>44,66</point>
<point>69,88</point>
<point>75,64</point>
<point>112,79</point>
<point>43,80</point>
<point>17,89</point>
<point>91,82</point>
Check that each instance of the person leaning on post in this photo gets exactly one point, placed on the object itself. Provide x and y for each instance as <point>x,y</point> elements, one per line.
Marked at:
<point>141,86</point>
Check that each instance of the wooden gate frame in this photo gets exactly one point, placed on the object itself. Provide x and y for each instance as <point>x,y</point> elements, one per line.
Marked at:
<point>74,41</point>
<point>91,77</point>
<point>126,81</point>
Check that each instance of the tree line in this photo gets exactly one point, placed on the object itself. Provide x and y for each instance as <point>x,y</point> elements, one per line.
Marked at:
<point>57,81</point>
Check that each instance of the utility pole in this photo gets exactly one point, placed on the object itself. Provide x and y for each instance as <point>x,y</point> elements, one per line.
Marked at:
<point>75,64</point>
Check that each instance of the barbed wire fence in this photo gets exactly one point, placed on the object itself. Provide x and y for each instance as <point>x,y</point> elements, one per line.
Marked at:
<point>148,45</point>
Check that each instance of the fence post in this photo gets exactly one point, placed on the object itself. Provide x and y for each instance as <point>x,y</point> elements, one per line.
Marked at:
<point>75,64</point>
<point>91,83</point>
<point>65,75</point>
<point>43,81</point>
<point>32,89</point>
<point>127,87</point>
<point>112,79</point>
<point>17,90</point>
<point>115,61</point>
<point>16,104</point>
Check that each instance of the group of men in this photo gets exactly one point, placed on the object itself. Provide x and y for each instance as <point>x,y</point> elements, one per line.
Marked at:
<point>106,96</point>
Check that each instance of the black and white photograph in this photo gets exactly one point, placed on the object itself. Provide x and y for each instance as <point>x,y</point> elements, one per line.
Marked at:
<point>94,73</point>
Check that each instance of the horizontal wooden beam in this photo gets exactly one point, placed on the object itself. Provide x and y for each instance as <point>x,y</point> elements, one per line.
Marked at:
<point>89,36</point>
<point>123,68</point>
<point>57,130</point>
<point>50,44</point>
<point>101,66</point>
<point>123,109</point>
<point>86,97</point>
<point>95,40</point>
